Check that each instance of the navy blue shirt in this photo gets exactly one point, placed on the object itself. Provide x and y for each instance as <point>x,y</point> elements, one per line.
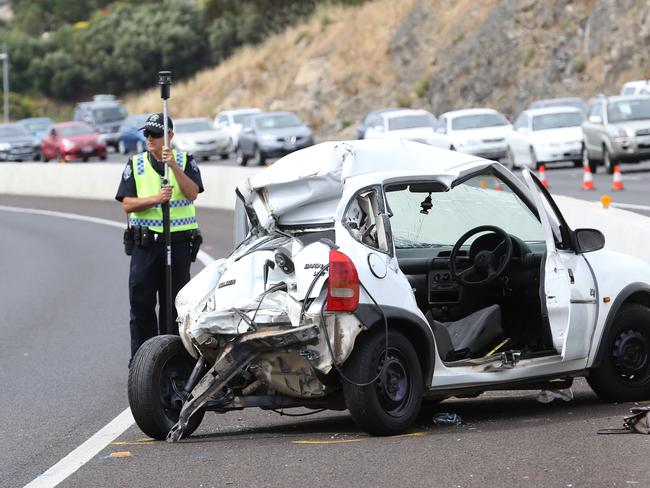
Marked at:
<point>127,186</point>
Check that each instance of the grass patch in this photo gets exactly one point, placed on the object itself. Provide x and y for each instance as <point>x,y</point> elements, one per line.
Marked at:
<point>530,55</point>
<point>579,65</point>
<point>422,87</point>
<point>403,101</point>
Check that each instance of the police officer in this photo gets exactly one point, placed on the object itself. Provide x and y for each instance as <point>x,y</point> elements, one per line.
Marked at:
<point>142,196</point>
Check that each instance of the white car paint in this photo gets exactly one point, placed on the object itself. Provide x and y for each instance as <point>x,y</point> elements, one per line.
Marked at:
<point>423,130</point>
<point>529,145</point>
<point>230,121</point>
<point>485,141</point>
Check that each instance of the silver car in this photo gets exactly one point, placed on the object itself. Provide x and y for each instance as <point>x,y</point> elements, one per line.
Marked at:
<point>617,131</point>
<point>199,137</point>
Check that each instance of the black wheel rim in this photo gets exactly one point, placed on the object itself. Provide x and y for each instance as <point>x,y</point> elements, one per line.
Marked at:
<point>630,356</point>
<point>394,387</point>
<point>172,380</point>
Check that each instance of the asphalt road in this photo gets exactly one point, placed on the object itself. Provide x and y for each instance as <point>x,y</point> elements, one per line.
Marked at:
<point>63,303</point>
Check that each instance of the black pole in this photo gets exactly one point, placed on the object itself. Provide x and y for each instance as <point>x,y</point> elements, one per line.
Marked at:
<point>165,81</point>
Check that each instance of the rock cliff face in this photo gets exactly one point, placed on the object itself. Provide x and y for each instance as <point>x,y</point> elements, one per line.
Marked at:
<point>434,54</point>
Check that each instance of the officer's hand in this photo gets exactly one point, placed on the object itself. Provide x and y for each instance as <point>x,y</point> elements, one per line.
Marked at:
<point>167,156</point>
<point>165,194</point>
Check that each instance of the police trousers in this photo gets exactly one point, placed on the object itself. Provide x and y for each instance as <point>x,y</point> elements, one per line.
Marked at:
<point>147,288</point>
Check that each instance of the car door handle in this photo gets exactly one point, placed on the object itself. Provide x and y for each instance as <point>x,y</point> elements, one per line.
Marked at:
<point>572,279</point>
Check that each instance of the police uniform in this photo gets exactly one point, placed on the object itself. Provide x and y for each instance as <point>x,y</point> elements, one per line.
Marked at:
<point>142,178</point>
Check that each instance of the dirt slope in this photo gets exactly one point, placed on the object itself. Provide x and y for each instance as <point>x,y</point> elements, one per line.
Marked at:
<point>435,54</point>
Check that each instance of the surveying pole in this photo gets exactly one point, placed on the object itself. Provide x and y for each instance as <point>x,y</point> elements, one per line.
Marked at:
<point>165,81</point>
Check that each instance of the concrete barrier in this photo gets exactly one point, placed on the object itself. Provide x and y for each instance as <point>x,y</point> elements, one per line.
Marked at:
<point>624,231</point>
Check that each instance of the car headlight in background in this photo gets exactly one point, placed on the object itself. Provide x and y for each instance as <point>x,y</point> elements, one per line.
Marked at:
<point>624,133</point>
<point>67,143</point>
<point>5,146</point>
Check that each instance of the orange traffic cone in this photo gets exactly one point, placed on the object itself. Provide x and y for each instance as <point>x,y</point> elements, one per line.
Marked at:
<point>587,179</point>
<point>542,176</point>
<point>618,180</point>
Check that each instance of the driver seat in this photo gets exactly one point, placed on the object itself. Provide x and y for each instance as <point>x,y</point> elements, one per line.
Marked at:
<point>468,337</point>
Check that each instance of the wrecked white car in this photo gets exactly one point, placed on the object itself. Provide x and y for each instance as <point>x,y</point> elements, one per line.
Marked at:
<point>376,274</point>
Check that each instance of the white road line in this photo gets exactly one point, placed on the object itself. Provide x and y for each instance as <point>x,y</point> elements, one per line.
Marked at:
<point>84,453</point>
<point>116,427</point>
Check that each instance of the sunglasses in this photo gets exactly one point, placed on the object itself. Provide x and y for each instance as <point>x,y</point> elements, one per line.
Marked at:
<point>153,135</point>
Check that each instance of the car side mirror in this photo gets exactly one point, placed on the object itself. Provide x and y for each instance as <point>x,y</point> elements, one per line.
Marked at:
<point>589,239</point>
<point>595,119</point>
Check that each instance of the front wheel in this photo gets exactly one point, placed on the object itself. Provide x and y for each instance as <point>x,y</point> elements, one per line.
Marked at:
<point>240,158</point>
<point>607,161</point>
<point>624,372</point>
<point>390,404</point>
<point>157,376</point>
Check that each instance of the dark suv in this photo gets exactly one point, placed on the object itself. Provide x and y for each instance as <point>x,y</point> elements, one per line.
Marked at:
<point>105,116</point>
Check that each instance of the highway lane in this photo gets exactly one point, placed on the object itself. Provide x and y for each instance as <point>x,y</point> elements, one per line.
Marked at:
<point>507,438</point>
<point>63,353</point>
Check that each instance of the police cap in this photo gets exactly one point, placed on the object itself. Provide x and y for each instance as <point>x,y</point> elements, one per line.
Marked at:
<point>154,123</point>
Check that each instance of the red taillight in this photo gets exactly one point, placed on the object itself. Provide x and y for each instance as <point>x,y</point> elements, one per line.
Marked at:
<point>343,284</point>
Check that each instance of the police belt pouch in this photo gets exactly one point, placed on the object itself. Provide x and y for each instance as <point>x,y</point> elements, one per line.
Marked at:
<point>196,239</point>
<point>129,240</point>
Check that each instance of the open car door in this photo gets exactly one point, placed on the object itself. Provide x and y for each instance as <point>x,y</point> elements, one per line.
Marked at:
<point>568,293</point>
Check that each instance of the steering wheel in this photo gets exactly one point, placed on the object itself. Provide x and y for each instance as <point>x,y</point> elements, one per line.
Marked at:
<point>487,265</point>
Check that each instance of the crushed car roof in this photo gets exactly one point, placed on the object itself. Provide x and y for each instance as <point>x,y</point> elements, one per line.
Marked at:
<point>306,186</point>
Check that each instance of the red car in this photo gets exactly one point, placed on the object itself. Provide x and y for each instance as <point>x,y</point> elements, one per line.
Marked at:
<point>67,141</point>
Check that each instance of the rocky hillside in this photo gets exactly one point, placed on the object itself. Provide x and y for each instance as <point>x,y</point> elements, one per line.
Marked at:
<point>434,54</point>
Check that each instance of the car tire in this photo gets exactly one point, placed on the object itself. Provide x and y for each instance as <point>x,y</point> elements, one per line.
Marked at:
<point>102,157</point>
<point>121,147</point>
<point>224,155</point>
<point>258,157</point>
<point>577,163</point>
<point>391,404</point>
<point>624,371</point>
<point>607,161</point>
<point>160,367</point>
<point>206,158</point>
<point>587,161</point>
<point>240,158</point>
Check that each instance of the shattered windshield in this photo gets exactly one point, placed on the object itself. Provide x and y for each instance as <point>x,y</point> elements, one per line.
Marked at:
<point>423,219</point>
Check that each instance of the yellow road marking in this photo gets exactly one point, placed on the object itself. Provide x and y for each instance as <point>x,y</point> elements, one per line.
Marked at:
<point>121,454</point>
<point>413,434</point>
<point>340,441</point>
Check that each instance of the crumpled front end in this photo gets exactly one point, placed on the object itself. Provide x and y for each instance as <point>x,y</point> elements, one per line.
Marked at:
<point>269,284</point>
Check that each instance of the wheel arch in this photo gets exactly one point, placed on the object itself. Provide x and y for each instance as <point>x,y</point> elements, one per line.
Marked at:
<point>638,293</point>
<point>413,327</point>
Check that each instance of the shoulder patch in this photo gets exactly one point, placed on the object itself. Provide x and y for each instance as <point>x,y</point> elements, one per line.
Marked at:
<point>128,171</point>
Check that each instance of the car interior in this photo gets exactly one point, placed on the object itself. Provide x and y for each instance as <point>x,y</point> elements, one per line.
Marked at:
<point>473,255</point>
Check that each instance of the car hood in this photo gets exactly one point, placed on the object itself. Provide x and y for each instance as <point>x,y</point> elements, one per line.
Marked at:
<point>632,124</point>
<point>17,139</point>
<point>564,134</point>
<point>305,187</point>
<point>82,139</point>
<point>484,134</point>
<point>299,130</point>
<point>202,136</point>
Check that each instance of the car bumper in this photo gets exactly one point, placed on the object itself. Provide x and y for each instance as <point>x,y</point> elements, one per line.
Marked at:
<point>631,149</point>
<point>30,155</point>
<point>82,153</point>
<point>560,152</point>
<point>110,137</point>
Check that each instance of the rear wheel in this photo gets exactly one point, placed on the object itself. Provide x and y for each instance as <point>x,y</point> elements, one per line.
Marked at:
<point>587,161</point>
<point>607,161</point>
<point>390,404</point>
<point>157,376</point>
<point>624,372</point>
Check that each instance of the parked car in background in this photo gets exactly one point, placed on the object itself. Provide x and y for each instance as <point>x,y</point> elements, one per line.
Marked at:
<point>414,125</point>
<point>271,135</point>
<point>576,102</point>
<point>370,119</point>
<point>231,121</point>
<point>378,273</point>
<point>17,144</point>
<point>616,131</point>
<point>545,135</point>
<point>68,141</point>
<point>478,131</point>
<point>639,87</point>
<point>37,126</point>
<point>200,137</point>
<point>131,138</point>
<point>105,116</point>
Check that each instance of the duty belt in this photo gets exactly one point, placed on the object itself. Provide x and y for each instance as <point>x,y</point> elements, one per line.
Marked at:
<point>183,235</point>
